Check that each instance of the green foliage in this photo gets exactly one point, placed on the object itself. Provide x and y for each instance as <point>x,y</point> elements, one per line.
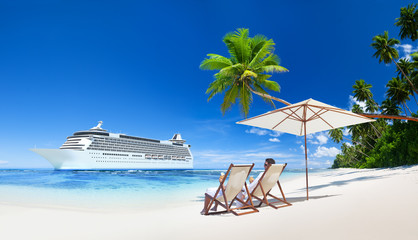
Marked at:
<point>398,146</point>
<point>398,92</point>
<point>384,47</point>
<point>362,90</point>
<point>408,22</point>
<point>244,71</point>
<point>379,144</point>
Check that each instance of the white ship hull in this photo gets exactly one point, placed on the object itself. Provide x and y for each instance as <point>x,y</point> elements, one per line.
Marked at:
<point>65,159</point>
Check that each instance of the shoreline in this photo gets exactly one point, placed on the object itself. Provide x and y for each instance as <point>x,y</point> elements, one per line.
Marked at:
<point>344,204</point>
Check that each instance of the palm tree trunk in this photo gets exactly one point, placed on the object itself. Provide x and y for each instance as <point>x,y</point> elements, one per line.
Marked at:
<point>389,117</point>
<point>366,115</point>
<point>356,142</point>
<point>414,98</point>
<point>407,107</point>
<point>378,133</point>
<point>266,95</point>
<point>368,142</point>
<point>409,81</point>
<point>360,152</point>
<point>404,110</point>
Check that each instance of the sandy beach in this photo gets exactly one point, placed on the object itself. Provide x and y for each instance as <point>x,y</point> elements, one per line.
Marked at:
<point>344,204</point>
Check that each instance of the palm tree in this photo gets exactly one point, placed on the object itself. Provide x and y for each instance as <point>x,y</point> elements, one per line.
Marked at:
<point>371,106</point>
<point>362,90</point>
<point>389,107</point>
<point>336,134</point>
<point>245,72</point>
<point>362,93</point>
<point>408,21</point>
<point>386,52</point>
<point>408,68</point>
<point>357,109</point>
<point>398,92</point>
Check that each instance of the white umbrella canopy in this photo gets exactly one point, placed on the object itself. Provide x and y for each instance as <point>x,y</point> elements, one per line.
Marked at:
<point>306,117</point>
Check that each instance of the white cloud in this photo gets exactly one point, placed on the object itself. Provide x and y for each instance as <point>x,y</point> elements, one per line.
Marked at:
<point>264,132</point>
<point>302,147</point>
<point>268,154</point>
<point>322,151</point>
<point>258,131</point>
<point>275,133</point>
<point>322,138</point>
<point>346,132</point>
<point>406,49</point>
<point>210,157</point>
<point>274,140</point>
<point>3,162</point>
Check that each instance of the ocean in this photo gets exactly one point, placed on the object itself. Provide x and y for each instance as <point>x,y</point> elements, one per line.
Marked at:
<point>111,189</point>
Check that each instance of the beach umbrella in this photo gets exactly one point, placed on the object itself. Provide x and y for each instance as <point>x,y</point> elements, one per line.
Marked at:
<point>303,118</point>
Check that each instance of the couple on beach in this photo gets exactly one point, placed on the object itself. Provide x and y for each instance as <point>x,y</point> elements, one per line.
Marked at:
<point>253,183</point>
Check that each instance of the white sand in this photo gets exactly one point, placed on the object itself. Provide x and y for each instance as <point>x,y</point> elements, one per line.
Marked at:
<point>344,204</point>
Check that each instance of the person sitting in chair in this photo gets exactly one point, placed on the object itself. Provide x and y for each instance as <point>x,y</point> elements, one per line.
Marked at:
<point>253,182</point>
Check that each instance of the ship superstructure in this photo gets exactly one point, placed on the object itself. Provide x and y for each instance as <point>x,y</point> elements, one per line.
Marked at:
<point>99,149</point>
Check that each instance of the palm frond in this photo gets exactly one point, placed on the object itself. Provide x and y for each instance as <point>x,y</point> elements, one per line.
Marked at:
<point>232,71</point>
<point>384,46</point>
<point>220,84</point>
<point>257,42</point>
<point>273,68</point>
<point>259,89</point>
<point>408,22</point>
<point>271,85</point>
<point>261,50</point>
<point>229,42</point>
<point>229,98</point>
<point>215,62</point>
<point>246,99</point>
<point>242,45</point>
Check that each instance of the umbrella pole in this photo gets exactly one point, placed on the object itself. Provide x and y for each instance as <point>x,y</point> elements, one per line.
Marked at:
<point>306,164</point>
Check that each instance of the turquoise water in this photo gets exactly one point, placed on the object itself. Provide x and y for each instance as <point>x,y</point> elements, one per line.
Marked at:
<point>102,189</point>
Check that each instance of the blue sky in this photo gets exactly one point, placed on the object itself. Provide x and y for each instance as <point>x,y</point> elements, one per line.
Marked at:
<point>64,65</point>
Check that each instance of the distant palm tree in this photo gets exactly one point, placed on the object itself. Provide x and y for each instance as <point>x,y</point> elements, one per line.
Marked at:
<point>371,106</point>
<point>408,21</point>
<point>389,107</point>
<point>357,109</point>
<point>406,66</point>
<point>362,93</point>
<point>245,72</point>
<point>386,52</point>
<point>362,90</point>
<point>398,92</point>
<point>336,134</point>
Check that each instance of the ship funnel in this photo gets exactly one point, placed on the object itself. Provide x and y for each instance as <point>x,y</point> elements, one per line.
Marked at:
<point>177,139</point>
<point>98,127</point>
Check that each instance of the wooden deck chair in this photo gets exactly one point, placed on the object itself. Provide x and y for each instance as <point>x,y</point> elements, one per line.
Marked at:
<point>266,183</point>
<point>225,196</point>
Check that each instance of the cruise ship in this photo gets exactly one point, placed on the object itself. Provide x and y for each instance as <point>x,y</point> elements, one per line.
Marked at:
<point>98,149</point>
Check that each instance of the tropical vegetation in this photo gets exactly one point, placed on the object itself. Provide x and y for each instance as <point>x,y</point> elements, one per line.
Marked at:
<point>389,141</point>
<point>386,143</point>
<point>246,71</point>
